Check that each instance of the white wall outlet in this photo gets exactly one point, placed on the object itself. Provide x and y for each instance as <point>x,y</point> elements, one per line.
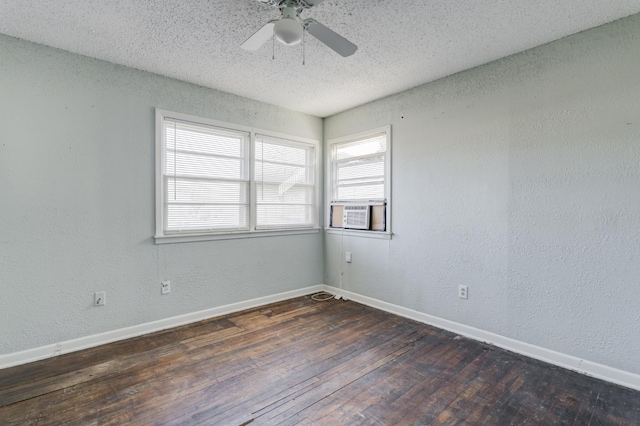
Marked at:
<point>99,298</point>
<point>165,287</point>
<point>347,256</point>
<point>463,292</point>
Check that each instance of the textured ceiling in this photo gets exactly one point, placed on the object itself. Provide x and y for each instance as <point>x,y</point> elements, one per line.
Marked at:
<point>402,43</point>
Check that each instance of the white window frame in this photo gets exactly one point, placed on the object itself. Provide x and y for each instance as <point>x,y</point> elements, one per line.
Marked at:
<point>330,182</point>
<point>292,143</point>
<point>162,237</point>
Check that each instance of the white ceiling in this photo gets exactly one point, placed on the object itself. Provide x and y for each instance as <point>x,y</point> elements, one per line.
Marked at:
<point>402,43</point>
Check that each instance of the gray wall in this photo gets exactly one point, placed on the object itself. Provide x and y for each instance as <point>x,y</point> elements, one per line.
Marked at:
<point>520,179</point>
<point>77,202</point>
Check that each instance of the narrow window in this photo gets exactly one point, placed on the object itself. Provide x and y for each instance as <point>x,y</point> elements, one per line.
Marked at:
<point>359,181</point>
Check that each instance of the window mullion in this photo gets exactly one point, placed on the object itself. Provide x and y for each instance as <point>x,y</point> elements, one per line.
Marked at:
<point>161,188</point>
<point>215,179</point>
<point>253,199</point>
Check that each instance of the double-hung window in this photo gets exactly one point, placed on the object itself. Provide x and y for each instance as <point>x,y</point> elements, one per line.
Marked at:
<point>285,183</point>
<point>359,173</point>
<point>219,180</point>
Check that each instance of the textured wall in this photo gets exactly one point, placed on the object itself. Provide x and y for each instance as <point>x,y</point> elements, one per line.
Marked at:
<point>520,179</point>
<point>77,202</point>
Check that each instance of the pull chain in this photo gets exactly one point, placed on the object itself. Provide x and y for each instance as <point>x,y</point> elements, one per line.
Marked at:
<point>303,45</point>
<point>273,47</point>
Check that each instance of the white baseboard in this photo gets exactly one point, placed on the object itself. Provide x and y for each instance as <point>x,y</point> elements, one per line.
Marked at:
<point>600,371</point>
<point>47,351</point>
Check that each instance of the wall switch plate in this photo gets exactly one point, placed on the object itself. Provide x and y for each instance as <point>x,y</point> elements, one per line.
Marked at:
<point>347,256</point>
<point>463,292</point>
<point>99,298</point>
<point>166,287</point>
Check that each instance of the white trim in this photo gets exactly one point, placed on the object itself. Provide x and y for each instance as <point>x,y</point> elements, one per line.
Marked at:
<point>185,238</point>
<point>361,135</point>
<point>291,138</point>
<point>589,368</point>
<point>160,143</point>
<point>163,237</point>
<point>47,351</point>
<point>354,233</point>
<point>163,113</point>
<point>330,172</point>
<point>293,142</point>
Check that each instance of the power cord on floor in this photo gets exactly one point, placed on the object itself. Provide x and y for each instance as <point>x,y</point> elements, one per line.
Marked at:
<point>323,296</point>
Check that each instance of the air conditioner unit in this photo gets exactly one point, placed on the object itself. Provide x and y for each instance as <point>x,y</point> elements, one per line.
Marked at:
<point>356,216</point>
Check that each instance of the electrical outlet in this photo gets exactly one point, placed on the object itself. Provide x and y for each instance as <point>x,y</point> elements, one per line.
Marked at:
<point>99,298</point>
<point>347,256</point>
<point>463,292</point>
<point>165,287</point>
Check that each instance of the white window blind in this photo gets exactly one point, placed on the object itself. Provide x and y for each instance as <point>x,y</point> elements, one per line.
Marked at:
<point>285,183</point>
<point>217,180</point>
<point>359,169</point>
<point>206,178</point>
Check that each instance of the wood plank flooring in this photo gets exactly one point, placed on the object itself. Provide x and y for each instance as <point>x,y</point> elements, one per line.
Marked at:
<point>302,362</point>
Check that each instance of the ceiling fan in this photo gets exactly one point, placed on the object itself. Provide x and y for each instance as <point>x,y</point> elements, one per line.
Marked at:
<point>289,29</point>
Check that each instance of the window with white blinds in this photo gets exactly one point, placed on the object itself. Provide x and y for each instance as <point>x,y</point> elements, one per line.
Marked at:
<point>217,178</point>
<point>359,173</point>
<point>285,183</point>
<point>206,178</point>
<point>359,169</point>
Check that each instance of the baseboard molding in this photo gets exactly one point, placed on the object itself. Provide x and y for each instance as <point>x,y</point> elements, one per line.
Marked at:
<point>47,351</point>
<point>600,371</point>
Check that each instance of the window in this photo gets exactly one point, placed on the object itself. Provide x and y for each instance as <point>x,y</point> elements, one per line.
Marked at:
<point>205,178</point>
<point>217,179</point>
<point>359,169</point>
<point>359,173</point>
<point>285,176</point>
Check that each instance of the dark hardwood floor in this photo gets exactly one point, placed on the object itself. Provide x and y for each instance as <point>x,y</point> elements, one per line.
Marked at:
<point>306,362</point>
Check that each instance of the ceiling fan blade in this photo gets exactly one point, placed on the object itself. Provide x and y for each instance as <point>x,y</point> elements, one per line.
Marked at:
<point>329,37</point>
<point>260,37</point>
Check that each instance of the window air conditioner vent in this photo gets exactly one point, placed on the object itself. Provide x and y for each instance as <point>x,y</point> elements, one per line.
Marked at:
<point>356,216</point>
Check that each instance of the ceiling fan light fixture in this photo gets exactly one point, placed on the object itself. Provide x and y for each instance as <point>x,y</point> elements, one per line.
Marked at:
<point>288,31</point>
